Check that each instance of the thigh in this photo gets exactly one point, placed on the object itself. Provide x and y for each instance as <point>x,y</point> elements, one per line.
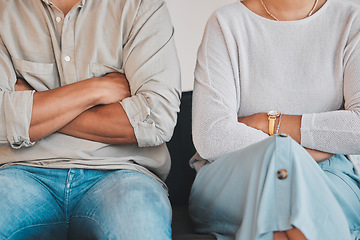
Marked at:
<point>28,207</point>
<point>125,205</point>
<point>346,188</point>
<point>241,195</point>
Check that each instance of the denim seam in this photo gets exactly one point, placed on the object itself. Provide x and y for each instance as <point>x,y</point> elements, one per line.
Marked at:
<point>91,190</point>
<point>66,196</point>
<point>276,187</point>
<point>35,225</point>
<point>279,184</point>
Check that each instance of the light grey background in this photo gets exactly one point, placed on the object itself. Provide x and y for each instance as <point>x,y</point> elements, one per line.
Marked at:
<point>189,18</point>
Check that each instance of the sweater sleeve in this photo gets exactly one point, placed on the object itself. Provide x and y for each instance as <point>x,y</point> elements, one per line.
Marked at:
<point>15,107</point>
<point>152,69</point>
<point>338,131</point>
<point>216,97</point>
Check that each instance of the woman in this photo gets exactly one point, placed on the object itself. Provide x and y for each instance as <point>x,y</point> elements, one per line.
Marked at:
<point>301,58</point>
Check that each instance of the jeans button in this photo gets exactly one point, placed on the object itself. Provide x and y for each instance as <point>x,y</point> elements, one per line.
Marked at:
<point>282,174</point>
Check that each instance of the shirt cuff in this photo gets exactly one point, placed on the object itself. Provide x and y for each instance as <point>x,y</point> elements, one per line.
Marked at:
<point>139,115</point>
<point>17,117</point>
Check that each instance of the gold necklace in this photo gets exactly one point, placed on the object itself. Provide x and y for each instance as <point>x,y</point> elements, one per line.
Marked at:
<point>275,18</point>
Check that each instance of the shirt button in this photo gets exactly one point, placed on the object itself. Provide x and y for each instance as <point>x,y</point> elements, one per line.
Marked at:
<point>58,19</point>
<point>67,59</point>
<point>282,174</point>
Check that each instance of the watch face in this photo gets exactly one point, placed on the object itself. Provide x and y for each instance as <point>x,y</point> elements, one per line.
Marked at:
<point>273,113</point>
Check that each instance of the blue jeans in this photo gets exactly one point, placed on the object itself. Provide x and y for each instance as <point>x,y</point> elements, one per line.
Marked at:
<point>40,203</point>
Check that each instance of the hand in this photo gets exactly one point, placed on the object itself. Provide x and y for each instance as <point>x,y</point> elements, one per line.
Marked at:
<point>318,155</point>
<point>114,87</point>
<point>290,124</point>
<point>258,121</point>
<point>22,85</point>
<point>55,108</point>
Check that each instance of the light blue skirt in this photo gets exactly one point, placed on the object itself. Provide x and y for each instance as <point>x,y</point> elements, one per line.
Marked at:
<point>272,186</point>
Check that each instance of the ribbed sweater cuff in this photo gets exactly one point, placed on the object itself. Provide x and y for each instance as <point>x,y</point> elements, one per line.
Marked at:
<point>307,137</point>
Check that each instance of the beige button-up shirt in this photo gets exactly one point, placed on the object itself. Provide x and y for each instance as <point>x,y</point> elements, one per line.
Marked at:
<point>49,50</point>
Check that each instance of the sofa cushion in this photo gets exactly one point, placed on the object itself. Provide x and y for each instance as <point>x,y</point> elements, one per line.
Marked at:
<point>181,149</point>
<point>181,176</point>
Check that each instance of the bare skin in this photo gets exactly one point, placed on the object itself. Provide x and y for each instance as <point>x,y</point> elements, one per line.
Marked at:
<point>65,5</point>
<point>88,109</point>
<point>290,124</point>
<point>284,10</point>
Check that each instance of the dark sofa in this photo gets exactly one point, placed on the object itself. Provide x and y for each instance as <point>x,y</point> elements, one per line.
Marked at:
<point>181,175</point>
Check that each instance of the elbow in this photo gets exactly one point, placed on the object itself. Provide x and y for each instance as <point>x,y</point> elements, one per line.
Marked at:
<point>149,135</point>
<point>205,147</point>
<point>153,119</point>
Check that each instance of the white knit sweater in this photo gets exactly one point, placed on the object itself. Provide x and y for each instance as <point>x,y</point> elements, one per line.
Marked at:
<point>309,67</point>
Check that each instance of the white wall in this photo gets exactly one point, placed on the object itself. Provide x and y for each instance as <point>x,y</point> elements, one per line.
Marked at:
<point>189,18</point>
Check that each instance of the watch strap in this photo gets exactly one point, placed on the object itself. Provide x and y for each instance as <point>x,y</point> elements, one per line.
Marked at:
<point>272,125</point>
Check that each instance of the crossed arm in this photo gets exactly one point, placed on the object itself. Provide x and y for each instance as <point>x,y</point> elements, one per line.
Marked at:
<point>88,109</point>
<point>290,124</point>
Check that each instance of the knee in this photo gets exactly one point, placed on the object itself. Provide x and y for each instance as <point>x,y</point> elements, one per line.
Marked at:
<point>130,207</point>
<point>147,204</point>
<point>282,150</point>
<point>133,215</point>
<point>262,154</point>
<point>139,197</point>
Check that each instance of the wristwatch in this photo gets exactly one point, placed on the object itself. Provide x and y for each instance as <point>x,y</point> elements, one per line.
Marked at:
<point>272,116</point>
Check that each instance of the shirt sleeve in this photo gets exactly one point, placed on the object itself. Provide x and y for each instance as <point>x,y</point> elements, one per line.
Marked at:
<point>15,107</point>
<point>338,131</point>
<point>152,68</point>
<point>216,97</point>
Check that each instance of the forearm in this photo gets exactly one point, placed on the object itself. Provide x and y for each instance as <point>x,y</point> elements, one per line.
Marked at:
<point>106,124</point>
<point>55,108</point>
<point>290,125</point>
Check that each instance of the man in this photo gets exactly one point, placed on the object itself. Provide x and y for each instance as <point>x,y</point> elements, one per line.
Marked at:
<point>89,95</point>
